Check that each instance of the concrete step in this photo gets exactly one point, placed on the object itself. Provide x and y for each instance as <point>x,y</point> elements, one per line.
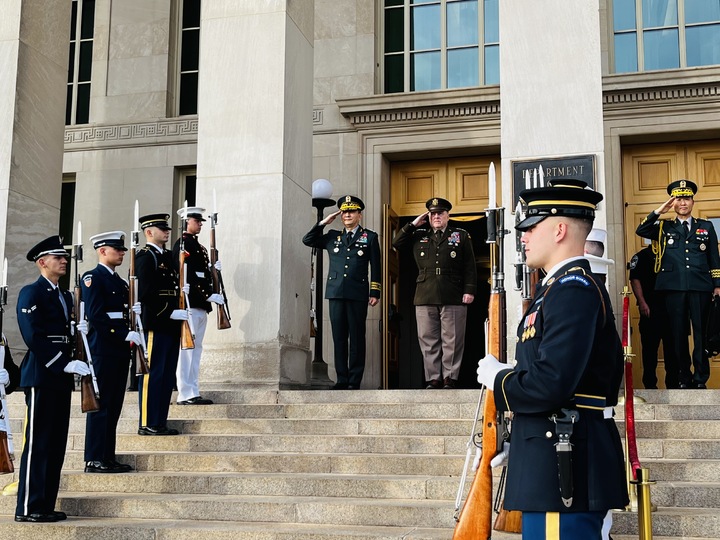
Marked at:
<point>147,529</point>
<point>267,462</point>
<point>672,522</point>
<point>274,484</point>
<point>376,444</point>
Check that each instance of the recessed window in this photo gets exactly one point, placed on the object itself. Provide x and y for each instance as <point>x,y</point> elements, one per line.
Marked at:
<point>82,31</point>
<point>189,49</point>
<point>665,34</point>
<point>439,44</point>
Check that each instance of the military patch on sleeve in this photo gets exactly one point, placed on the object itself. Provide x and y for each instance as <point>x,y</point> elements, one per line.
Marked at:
<point>87,280</point>
<point>633,262</point>
<point>575,277</point>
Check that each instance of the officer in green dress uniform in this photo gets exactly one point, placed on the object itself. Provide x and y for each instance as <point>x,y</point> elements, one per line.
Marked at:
<point>348,289</point>
<point>688,276</point>
<point>446,284</point>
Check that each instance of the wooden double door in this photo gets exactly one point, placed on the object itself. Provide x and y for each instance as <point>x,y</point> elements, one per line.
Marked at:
<point>647,170</point>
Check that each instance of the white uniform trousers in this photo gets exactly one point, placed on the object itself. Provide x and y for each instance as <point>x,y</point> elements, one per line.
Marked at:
<point>188,368</point>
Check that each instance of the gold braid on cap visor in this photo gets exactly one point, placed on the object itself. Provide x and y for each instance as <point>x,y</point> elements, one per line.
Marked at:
<point>682,192</point>
<point>564,203</point>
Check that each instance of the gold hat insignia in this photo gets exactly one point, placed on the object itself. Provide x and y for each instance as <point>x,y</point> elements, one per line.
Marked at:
<point>435,202</point>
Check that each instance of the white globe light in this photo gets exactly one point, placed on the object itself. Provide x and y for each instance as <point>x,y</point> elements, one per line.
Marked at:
<point>321,189</point>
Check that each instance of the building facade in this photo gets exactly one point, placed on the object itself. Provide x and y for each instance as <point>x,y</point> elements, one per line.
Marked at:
<point>238,105</point>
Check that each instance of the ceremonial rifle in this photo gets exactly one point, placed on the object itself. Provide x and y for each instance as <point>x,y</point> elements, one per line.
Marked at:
<point>223,311</point>
<point>474,520</point>
<point>140,351</point>
<point>89,392</point>
<point>187,335</point>
<point>6,439</point>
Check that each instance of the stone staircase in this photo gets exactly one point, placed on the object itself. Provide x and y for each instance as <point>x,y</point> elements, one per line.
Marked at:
<point>355,465</point>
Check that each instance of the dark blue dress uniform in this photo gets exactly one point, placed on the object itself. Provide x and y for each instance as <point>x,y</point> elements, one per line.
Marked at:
<point>45,327</point>
<point>106,298</point>
<point>687,273</point>
<point>348,289</point>
<point>158,292</point>
<point>571,360</point>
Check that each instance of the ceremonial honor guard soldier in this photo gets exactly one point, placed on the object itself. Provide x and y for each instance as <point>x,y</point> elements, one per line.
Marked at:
<point>199,278</point>
<point>348,288</point>
<point>46,374</point>
<point>105,295</point>
<point>158,293</point>
<point>446,284</point>
<point>687,265</point>
<point>565,467</point>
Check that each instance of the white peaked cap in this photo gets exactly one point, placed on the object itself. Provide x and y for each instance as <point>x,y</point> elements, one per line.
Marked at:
<point>597,235</point>
<point>599,265</point>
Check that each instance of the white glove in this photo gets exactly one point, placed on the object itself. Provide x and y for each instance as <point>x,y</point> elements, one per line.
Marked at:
<point>78,367</point>
<point>186,289</point>
<point>217,298</point>
<point>218,266</point>
<point>4,377</point>
<point>134,337</point>
<point>501,458</point>
<point>137,308</point>
<point>488,368</point>
<point>82,327</point>
<point>179,315</point>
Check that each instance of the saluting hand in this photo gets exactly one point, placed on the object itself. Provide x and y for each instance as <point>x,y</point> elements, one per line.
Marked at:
<point>422,218</point>
<point>330,218</point>
<point>665,208</point>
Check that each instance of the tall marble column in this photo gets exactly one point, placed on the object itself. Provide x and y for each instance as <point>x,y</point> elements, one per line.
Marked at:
<point>550,91</point>
<point>255,153</point>
<point>34,44</point>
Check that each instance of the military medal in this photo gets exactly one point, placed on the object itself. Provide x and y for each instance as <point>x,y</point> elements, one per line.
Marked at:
<point>702,247</point>
<point>360,252</point>
<point>336,250</point>
<point>453,254</point>
<point>422,253</point>
<point>671,241</point>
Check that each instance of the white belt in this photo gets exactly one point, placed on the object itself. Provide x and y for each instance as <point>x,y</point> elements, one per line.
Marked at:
<point>115,314</point>
<point>608,412</point>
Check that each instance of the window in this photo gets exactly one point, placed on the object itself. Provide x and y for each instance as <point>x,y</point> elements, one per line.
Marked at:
<point>438,44</point>
<point>189,49</point>
<point>185,191</point>
<point>665,34</point>
<point>82,29</point>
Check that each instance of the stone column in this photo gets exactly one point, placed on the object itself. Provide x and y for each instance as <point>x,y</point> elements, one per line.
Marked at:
<point>550,92</point>
<point>34,44</point>
<point>255,152</point>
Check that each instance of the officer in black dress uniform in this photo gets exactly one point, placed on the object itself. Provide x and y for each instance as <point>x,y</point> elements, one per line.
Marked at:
<point>158,293</point>
<point>348,289</point>
<point>446,285</point>
<point>199,278</point>
<point>46,373</point>
<point>688,275</point>
<point>569,364</point>
<point>105,295</point>
<point>653,319</point>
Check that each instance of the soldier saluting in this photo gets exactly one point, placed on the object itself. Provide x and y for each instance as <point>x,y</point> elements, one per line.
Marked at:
<point>348,289</point>
<point>688,275</point>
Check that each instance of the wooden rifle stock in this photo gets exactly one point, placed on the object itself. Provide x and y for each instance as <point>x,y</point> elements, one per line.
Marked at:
<point>223,312</point>
<point>88,399</point>
<point>6,462</point>
<point>141,363</point>
<point>187,340</point>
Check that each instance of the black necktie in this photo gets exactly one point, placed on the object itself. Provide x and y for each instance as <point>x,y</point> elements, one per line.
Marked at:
<point>438,236</point>
<point>348,237</point>
<point>687,227</point>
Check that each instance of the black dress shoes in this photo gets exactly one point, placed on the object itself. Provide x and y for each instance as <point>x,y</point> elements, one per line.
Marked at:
<point>61,516</point>
<point>197,400</point>
<point>164,430</point>
<point>39,518</point>
<point>434,384</point>
<point>102,467</point>
<point>124,466</point>
<point>340,386</point>
<point>450,383</point>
